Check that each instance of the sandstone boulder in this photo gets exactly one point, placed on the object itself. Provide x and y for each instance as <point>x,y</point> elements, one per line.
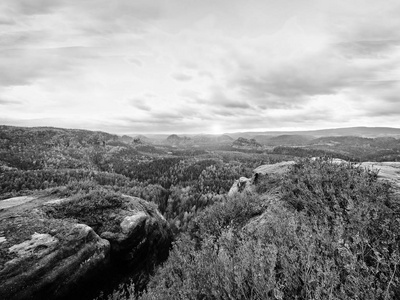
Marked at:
<point>62,248</point>
<point>243,185</point>
<point>44,258</point>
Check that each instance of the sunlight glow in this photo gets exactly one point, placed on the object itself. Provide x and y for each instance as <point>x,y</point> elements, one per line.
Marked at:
<point>216,129</point>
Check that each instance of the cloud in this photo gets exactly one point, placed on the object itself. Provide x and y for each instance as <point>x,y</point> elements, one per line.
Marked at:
<point>9,102</point>
<point>258,64</point>
<point>387,110</point>
<point>321,73</point>
<point>34,7</point>
<point>140,104</point>
<point>137,8</point>
<point>387,91</point>
<point>181,77</point>
<point>219,98</point>
<point>134,61</point>
<point>6,20</point>
<point>218,111</point>
<point>25,66</point>
<point>374,49</point>
<point>206,74</point>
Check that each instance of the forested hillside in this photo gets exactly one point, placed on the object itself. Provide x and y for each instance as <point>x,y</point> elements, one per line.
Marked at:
<point>181,183</point>
<point>353,148</point>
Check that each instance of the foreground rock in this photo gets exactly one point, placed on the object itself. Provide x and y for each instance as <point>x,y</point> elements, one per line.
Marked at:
<point>60,249</point>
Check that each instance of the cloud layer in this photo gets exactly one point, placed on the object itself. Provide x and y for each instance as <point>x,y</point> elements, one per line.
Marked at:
<point>191,66</point>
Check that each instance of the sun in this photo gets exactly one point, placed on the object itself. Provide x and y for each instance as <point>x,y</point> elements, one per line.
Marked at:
<point>216,129</point>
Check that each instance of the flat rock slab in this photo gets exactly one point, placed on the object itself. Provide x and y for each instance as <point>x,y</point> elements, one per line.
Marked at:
<point>41,241</point>
<point>7,203</point>
<point>278,168</point>
<point>388,171</point>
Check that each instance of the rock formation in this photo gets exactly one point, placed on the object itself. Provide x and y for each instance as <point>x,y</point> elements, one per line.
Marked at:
<point>243,185</point>
<point>387,171</point>
<point>243,143</point>
<point>247,185</point>
<point>60,248</point>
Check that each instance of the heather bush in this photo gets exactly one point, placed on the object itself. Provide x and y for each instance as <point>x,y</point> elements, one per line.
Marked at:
<point>330,232</point>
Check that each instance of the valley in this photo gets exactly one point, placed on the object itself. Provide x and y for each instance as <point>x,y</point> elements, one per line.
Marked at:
<point>210,216</point>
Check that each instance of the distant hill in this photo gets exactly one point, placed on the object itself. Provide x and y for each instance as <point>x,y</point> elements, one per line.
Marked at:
<point>284,140</point>
<point>383,143</point>
<point>349,131</point>
<point>36,148</point>
<point>354,148</point>
<point>176,140</point>
<point>137,139</point>
<point>284,137</point>
<point>211,139</point>
<point>126,139</point>
<point>357,131</point>
<point>50,136</point>
<point>175,137</point>
<point>224,137</point>
<point>142,138</point>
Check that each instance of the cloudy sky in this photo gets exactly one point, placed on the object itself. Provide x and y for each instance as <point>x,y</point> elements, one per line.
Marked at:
<point>181,66</point>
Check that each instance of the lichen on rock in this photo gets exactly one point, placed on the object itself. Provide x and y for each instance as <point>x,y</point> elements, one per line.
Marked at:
<point>39,244</point>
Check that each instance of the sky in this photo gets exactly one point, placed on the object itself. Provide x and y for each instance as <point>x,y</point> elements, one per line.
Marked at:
<point>199,66</point>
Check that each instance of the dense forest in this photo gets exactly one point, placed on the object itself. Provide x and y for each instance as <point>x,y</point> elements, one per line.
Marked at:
<point>319,231</point>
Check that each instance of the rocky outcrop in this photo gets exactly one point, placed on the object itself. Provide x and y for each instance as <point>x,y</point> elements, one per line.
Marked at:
<point>278,168</point>
<point>61,249</point>
<point>387,171</point>
<point>248,185</point>
<point>243,185</point>
<point>242,143</point>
